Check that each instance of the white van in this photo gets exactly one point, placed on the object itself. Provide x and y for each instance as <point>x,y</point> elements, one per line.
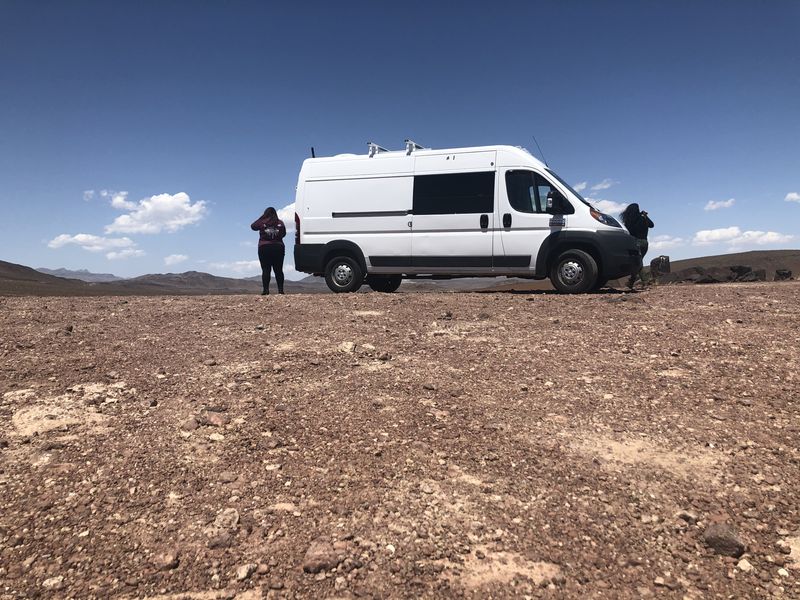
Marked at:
<point>463,212</point>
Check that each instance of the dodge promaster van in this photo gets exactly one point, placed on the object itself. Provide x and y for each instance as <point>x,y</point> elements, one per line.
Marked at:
<point>464,212</point>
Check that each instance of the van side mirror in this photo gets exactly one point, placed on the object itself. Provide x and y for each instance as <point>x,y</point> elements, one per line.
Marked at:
<point>556,203</point>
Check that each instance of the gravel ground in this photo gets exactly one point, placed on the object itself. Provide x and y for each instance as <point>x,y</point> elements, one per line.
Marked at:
<point>481,445</point>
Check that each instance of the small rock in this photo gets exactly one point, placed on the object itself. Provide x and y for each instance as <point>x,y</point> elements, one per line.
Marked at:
<point>166,561</point>
<point>660,582</point>
<point>687,516</point>
<point>190,424</point>
<point>783,572</point>
<point>275,585</point>
<point>428,386</point>
<point>320,556</point>
<point>210,362</point>
<point>53,583</point>
<point>216,419</point>
<point>221,539</point>
<point>347,347</point>
<point>216,437</point>
<point>244,571</point>
<point>384,356</point>
<point>722,539</point>
<point>744,565</point>
<point>281,407</point>
<point>227,518</point>
<point>228,477</point>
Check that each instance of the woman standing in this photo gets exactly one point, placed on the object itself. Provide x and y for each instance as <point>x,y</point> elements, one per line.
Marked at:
<point>638,225</point>
<point>271,250</point>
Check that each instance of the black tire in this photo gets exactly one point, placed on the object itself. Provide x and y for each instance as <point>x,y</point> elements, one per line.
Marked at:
<point>343,274</point>
<point>384,283</point>
<point>574,272</point>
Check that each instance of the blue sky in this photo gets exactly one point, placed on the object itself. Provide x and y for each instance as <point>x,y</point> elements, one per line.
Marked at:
<point>140,137</point>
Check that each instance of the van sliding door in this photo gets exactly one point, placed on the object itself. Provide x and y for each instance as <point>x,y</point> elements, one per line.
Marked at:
<point>453,214</point>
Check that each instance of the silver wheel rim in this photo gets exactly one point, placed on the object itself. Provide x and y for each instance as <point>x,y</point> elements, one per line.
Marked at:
<point>342,275</point>
<point>571,272</point>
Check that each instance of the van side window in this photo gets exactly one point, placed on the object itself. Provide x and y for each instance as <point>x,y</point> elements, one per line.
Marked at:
<point>527,191</point>
<point>454,193</point>
<point>521,192</point>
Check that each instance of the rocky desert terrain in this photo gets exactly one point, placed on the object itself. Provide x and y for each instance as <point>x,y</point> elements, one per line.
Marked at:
<point>426,445</point>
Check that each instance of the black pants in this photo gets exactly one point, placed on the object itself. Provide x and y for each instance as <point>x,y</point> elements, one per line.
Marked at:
<point>643,246</point>
<point>271,258</point>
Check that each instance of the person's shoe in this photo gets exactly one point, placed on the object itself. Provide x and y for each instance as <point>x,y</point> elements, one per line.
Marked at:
<point>280,292</point>
<point>265,293</point>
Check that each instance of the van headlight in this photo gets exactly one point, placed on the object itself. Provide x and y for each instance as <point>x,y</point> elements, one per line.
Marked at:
<point>604,218</point>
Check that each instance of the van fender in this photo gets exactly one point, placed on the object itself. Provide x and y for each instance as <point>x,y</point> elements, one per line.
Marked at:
<point>560,241</point>
<point>344,248</point>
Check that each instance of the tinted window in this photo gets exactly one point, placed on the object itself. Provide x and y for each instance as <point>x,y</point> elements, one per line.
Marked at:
<point>454,193</point>
<point>527,191</point>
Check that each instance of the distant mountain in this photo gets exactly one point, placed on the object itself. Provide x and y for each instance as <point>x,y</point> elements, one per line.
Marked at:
<point>82,274</point>
<point>19,280</point>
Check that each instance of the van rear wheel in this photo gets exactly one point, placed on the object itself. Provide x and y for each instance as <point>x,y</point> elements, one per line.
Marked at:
<point>343,274</point>
<point>384,283</point>
<point>574,272</point>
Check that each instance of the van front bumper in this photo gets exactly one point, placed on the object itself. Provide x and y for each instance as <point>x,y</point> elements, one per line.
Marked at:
<point>620,254</point>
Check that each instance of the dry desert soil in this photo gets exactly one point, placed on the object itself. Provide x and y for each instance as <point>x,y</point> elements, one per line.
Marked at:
<point>427,445</point>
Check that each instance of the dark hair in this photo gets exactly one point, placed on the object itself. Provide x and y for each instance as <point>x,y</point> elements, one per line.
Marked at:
<point>270,213</point>
<point>630,214</point>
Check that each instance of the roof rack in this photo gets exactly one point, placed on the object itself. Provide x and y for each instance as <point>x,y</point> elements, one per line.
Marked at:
<point>411,145</point>
<point>374,149</point>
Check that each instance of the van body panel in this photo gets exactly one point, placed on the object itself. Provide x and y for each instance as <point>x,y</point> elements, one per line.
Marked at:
<point>431,212</point>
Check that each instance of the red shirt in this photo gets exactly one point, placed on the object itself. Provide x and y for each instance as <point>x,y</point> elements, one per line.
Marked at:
<point>270,231</point>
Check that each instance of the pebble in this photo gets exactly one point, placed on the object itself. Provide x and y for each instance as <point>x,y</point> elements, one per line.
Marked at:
<point>228,477</point>
<point>190,424</point>
<point>227,518</point>
<point>53,583</point>
<point>744,565</point>
<point>783,572</point>
<point>722,539</point>
<point>216,437</point>
<point>244,571</point>
<point>320,556</point>
<point>166,561</point>
<point>209,362</point>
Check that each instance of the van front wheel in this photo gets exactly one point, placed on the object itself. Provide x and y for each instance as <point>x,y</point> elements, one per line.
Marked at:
<point>384,283</point>
<point>574,272</point>
<point>343,274</point>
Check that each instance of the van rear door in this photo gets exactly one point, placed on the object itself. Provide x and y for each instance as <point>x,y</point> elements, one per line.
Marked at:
<point>453,213</point>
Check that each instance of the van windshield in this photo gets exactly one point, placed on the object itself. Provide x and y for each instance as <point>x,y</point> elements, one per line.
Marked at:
<point>569,187</point>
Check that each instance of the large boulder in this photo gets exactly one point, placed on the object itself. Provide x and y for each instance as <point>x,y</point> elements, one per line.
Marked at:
<point>783,274</point>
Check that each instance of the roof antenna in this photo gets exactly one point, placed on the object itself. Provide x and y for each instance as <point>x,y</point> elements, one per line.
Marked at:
<point>540,151</point>
<point>313,155</point>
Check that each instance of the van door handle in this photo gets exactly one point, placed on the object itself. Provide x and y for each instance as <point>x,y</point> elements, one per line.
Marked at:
<point>507,220</point>
<point>484,221</point>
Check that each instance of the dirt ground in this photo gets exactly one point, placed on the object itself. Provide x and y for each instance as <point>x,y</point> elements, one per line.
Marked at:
<point>480,445</point>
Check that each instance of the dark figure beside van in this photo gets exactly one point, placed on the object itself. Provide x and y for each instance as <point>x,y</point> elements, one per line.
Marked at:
<point>271,250</point>
<point>638,225</point>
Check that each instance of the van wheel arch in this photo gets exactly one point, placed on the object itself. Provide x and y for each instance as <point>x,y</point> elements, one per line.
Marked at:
<point>344,248</point>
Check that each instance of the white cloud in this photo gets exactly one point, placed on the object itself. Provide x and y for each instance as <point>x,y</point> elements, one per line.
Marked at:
<point>247,268</point>
<point>237,267</point>
<point>92,243</point>
<point>286,214</point>
<point>664,242</point>
<point>717,204</point>
<point>607,206</point>
<point>88,195</point>
<point>126,253</point>
<point>119,200</point>
<point>792,197</point>
<point>164,212</point>
<point>604,185</point>
<point>579,187</point>
<point>711,236</point>
<point>174,259</point>
<point>735,237</point>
